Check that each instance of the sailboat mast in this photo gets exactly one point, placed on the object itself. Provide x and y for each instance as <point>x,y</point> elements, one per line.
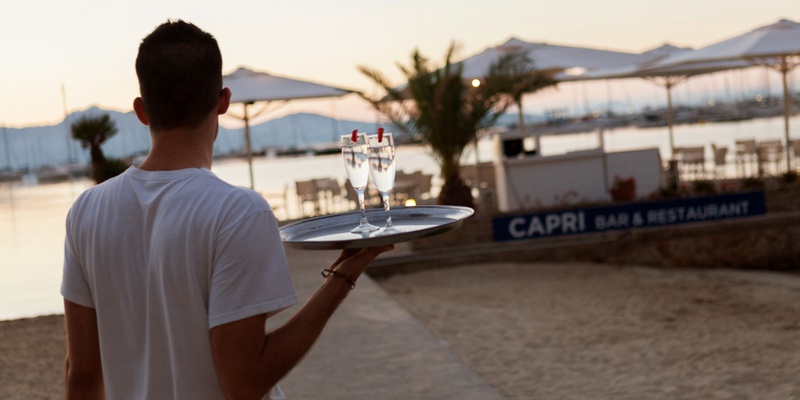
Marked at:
<point>8,152</point>
<point>66,125</point>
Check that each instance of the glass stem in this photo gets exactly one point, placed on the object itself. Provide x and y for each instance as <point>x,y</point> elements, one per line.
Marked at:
<point>386,207</point>
<point>361,206</point>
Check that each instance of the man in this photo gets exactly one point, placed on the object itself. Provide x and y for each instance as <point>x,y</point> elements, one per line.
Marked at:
<point>169,272</point>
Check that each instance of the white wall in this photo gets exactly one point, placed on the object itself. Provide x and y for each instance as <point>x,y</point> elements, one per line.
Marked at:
<point>533,182</point>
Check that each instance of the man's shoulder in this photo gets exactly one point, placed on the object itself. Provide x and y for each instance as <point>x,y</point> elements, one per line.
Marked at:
<point>237,200</point>
<point>100,188</point>
<point>232,192</point>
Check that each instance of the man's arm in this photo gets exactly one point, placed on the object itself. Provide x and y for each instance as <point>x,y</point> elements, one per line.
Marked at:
<point>84,374</point>
<point>249,363</point>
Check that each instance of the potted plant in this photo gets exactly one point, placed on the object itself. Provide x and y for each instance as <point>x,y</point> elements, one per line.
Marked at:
<point>623,189</point>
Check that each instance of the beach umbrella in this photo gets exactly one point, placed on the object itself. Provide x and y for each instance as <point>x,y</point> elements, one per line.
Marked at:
<point>776,46</point>
<point>657,65</point>
<point>559,60</point>
<point>249,87</point>
<point>546,57</point>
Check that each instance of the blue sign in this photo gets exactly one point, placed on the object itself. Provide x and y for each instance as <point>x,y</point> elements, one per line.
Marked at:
<point>628,216</point>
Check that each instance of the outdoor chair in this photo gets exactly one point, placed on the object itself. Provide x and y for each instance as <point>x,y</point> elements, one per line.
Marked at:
<point>770,155</point>
<point>796,153</point>
<point>424,185</point>
<point>720,154</point>
<point>405,187</point>
<point>307,193</point>
<point>692,162</point>
<point>746,157</point>
<point>329,192</point>
<point>371,196</point>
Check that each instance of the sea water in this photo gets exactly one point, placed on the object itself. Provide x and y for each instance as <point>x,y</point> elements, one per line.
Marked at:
<point>32,216</point>
<point>32,219</point>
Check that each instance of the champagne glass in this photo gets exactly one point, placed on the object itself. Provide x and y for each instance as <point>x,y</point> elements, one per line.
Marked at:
<point>354,151</point>
<point>382,168</point>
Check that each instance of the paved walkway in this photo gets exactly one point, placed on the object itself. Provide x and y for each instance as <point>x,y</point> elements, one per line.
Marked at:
<point>374,349</point>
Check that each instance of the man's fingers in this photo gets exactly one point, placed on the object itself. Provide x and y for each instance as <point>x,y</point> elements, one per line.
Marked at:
<point>360,256</point>
<point>345,254</point>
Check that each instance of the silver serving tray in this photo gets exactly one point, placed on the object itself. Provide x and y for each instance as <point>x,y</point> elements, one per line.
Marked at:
<point>333,231</point>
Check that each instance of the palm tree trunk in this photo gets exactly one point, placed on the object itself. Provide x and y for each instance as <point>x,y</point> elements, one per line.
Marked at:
<point>98,161</point>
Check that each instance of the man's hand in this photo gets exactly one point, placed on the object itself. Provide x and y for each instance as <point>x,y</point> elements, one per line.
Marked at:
<point>353,262</point>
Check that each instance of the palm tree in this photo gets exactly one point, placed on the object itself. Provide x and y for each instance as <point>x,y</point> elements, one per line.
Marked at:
<point>522,78</point>
<point>92,133</point>
<point>440,109</point>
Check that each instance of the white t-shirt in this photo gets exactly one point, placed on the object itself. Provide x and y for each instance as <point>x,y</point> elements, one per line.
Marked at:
<point>164,256</point>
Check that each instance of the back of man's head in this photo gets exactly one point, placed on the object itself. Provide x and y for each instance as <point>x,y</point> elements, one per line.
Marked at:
<point>180,75</point>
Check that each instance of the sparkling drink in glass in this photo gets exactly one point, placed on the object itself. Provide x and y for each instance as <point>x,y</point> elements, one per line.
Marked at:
<point>355,154</point>
<point>382,168</point>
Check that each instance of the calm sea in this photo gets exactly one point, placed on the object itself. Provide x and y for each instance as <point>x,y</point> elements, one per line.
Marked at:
<point>32,216</point>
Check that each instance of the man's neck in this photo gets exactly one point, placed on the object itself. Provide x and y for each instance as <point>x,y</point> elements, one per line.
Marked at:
<point>179,149</point>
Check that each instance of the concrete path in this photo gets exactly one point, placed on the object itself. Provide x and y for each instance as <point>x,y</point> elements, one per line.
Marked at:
<point>373,349</point>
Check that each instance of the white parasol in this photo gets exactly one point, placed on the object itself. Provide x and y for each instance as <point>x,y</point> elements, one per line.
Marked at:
<point>249,87</point>
<point>658,66</point>
<point>546,57</point>
<point>776,46</point>
<point>560,60</point>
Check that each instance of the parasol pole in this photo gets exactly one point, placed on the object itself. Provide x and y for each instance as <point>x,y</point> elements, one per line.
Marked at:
<point>787,109</point>
<point>247,145</point>
<point>669,118</point>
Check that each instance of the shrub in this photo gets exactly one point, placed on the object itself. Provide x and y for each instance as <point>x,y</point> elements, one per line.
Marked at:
<point>704,187</point>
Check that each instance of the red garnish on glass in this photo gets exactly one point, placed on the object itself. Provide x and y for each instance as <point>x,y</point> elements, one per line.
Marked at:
<point>354,138</point>
<point>380,135</point>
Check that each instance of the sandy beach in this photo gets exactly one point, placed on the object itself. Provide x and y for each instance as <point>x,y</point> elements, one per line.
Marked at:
<point>590,331</point>
<point>558,331</point>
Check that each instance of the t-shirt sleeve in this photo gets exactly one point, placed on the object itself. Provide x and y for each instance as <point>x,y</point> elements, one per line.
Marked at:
<point>251,273</point>
<point>74,286</point>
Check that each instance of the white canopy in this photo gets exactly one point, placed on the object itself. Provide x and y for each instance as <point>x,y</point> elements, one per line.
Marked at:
<point>761,45</point>
<point>658,66</point>
<point>776,46</point>
<point>547,57</point>
<point>248,86</point>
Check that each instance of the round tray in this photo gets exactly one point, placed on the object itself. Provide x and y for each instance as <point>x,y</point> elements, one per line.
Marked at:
<point>333,231</point>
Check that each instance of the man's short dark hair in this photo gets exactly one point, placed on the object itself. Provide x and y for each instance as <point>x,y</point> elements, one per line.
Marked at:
<point>180,75</point>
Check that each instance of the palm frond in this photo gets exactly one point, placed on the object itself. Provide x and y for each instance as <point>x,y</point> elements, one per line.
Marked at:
<point>446,112</point>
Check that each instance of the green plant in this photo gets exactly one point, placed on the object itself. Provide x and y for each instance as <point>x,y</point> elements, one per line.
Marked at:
<point>623,189</point>
<point>439,108</point>
<point>703,187</point>
<point>620,182</point>
<point>752,183</point>
<point>111,168</point>
<point>789,177</point>
<point>92,132</point>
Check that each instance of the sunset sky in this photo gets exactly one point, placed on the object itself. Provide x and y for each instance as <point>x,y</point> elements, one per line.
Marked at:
<point>89,47</point>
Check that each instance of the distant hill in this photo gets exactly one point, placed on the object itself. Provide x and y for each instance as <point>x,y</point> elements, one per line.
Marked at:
<point>34,147</point>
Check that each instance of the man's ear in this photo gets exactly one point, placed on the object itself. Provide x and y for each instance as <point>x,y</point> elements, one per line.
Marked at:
<point>138,108</point>
<point>224,101</point>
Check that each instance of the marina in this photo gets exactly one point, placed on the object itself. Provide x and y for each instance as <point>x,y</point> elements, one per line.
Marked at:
<point>32,216</point>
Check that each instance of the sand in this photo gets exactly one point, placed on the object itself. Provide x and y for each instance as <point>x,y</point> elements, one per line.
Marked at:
<point>588,331</point>
<point>32,353</point>
<point>557,331</point>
